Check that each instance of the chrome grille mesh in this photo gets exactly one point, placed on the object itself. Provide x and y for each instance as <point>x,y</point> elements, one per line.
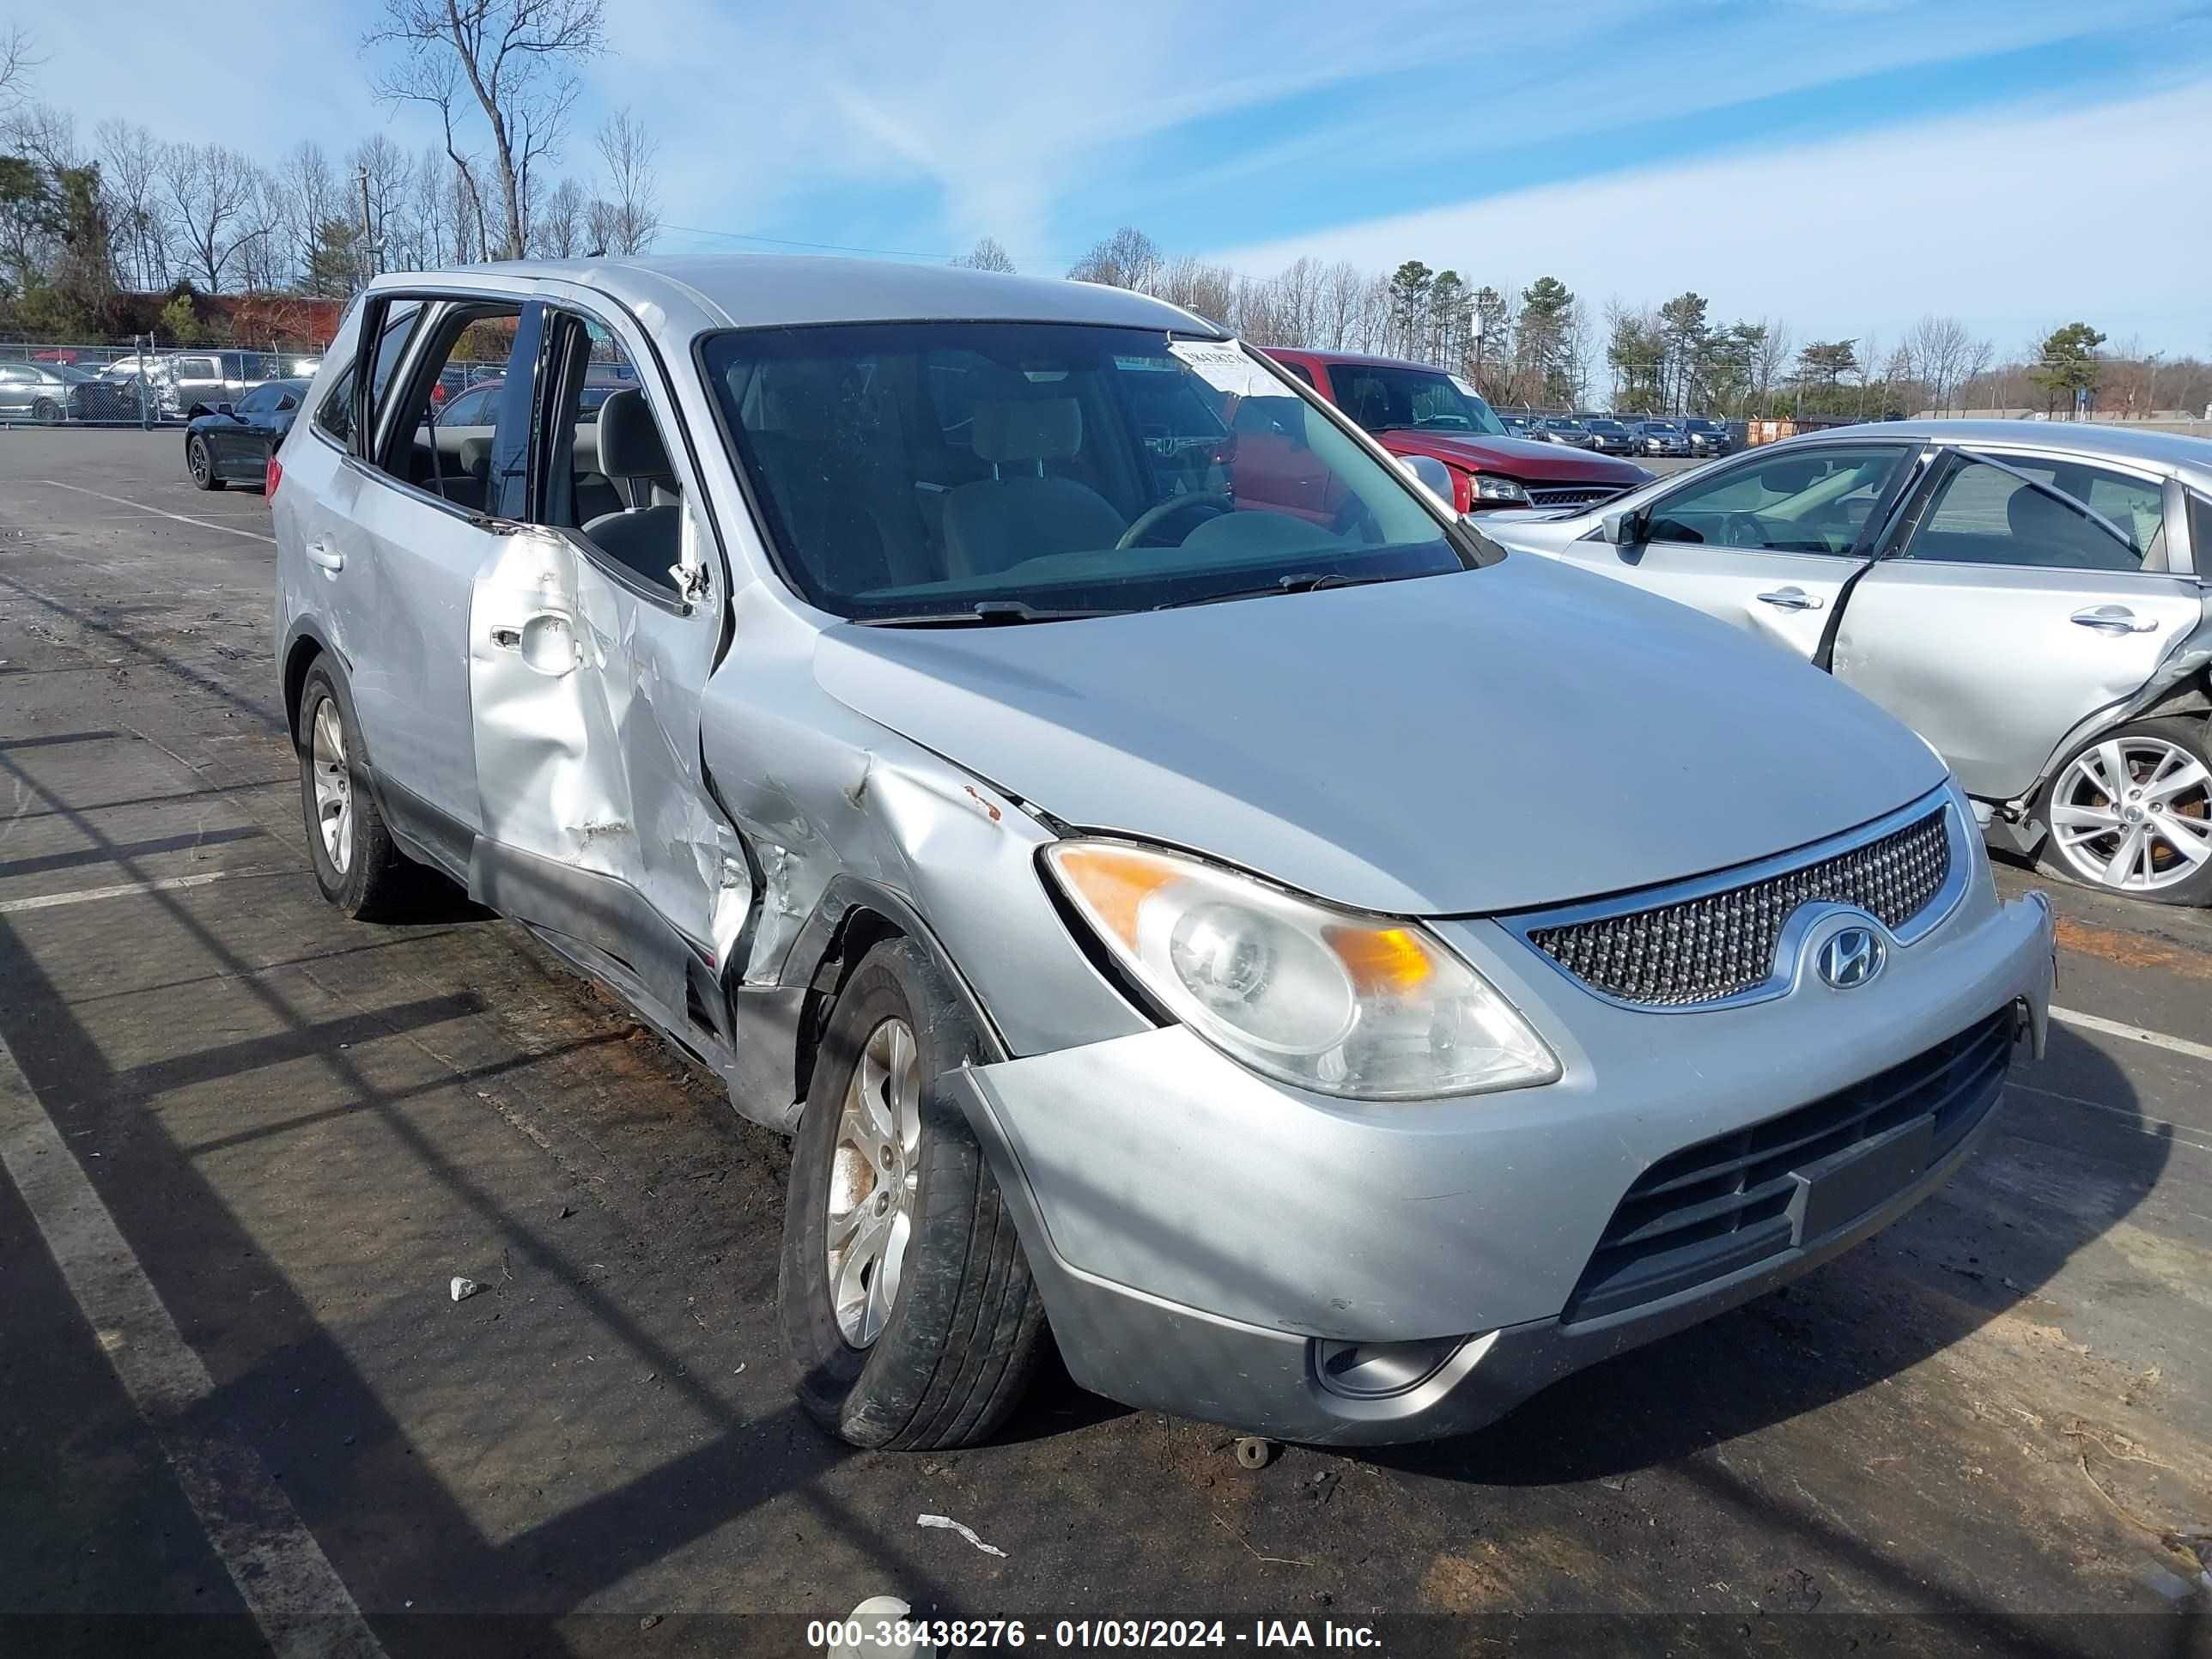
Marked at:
<point>1705,948</point>
<point>1570,495</point>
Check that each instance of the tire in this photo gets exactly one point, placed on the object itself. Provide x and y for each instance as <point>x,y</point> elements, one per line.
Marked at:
<point>2169,762</point>
<point>368,877</point>
<point>46,412</point>
<point>963,1325</point>
<point>199,461</point>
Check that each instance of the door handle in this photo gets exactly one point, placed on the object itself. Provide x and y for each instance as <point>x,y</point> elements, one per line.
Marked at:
<point>320,552</point>
<point>2115,619</point>
<point>1792,598</point>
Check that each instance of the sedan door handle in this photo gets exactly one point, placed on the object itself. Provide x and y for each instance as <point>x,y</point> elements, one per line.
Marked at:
<point>1792,598</point>
<point>2115,619</point>
<point>322,553</point>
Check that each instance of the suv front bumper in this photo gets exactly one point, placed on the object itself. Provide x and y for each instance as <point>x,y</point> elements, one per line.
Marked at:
<point>1211,1244</point>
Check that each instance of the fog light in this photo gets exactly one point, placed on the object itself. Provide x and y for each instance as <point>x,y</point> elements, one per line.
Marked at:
<point>1374,1370</point>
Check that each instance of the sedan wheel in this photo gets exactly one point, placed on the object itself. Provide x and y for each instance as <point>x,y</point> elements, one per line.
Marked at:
<point>201,464</point>
<point>2133,813</point>
<point>46,411</point>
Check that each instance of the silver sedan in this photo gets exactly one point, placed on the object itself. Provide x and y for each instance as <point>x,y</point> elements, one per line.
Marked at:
<point>2031,598</point>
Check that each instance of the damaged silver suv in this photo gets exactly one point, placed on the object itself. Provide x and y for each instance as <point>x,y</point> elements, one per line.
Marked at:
<point>1182,888</point>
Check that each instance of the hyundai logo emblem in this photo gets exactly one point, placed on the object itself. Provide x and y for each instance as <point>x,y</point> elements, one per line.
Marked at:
<point>1852,957</point>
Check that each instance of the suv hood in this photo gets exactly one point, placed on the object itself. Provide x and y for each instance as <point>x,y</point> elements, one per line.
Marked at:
<point>1517,458</point>
<point>1489,740</point>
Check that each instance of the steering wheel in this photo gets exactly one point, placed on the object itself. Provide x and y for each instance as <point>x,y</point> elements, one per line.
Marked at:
<point>1213,502</point>
<point>1742,529</point>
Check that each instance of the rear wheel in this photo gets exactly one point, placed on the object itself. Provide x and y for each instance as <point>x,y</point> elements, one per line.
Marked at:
<point>2131,812</point>
<point>356,866</point>
<point>200,463</point>
<point>908,1310</point>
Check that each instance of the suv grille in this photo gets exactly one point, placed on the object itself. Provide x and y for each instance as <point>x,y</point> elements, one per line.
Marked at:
<point>1720,1205</point>
<point>1705,948</point>
<point>1569,495</point>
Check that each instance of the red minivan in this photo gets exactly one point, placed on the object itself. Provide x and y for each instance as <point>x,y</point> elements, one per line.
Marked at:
<point>1415,409</point>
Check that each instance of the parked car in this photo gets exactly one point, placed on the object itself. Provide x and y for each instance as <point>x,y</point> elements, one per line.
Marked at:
<point>1061,854</point>
<point>1565,429</point>
<point>1613,437</point>
<point>1707,437</point>
<point>2031,600</point>
<point>104,399</point>
<point>233,443</point>
<point>185,383</point>
<point>37,392</point>
<point>1661,438</point>
<point>1415,411</point>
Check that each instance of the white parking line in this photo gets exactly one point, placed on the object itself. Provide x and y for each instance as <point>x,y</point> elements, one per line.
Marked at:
<point>125,888</point>
<point>2160,1127</point>
<point>204,524</point>
<point>2172,1045</point>
<point>294,1594</point>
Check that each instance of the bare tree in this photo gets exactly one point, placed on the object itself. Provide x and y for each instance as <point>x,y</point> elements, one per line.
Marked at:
<point>211,192</point>
<point>309,196</point>
<point>1127,258</point>
<point>1940,347</point>
<point>380,172</point>
<point>632,158</point>
<point>45,133</point>
<point>557,231</point>
<point>131,173</point>
<point>516,60</point>
<point>1770,361</point>
<point>19,56</point>
<point>988,254</point>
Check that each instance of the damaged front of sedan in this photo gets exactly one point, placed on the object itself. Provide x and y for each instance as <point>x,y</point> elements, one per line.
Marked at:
<point>1332,977</point>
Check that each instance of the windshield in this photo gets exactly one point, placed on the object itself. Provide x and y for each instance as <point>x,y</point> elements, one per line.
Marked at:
<point>1017,472</point>
<point>1384,398</point>
<point>1611,428</point>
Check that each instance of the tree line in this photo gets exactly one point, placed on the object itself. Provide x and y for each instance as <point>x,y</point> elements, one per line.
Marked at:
<point>89,217</point>
<point>1538,347</point>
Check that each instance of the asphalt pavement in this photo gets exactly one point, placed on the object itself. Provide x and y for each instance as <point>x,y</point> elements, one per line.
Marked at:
<point>250,1145</point>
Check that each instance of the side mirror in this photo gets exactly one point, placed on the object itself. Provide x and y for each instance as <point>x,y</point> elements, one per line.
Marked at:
<point>1430,474</point>
<point>1622,529</point>
<point>224,409</point>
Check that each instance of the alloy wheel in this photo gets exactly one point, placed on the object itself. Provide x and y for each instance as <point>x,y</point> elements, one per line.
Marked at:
<point>875,1176</point>
<point>333,785</point>
<point>197,458</point>
<point>2133,813</point>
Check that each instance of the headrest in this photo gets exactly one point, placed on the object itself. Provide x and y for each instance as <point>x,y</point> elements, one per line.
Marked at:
<point>1028,429</point>
<point>630,442</point>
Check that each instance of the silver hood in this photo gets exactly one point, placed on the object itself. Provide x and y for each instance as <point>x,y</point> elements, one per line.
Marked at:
<point>1490,740</point>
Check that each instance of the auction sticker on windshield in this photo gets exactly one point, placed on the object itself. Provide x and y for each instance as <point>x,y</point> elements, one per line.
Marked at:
<point>1223,365</point>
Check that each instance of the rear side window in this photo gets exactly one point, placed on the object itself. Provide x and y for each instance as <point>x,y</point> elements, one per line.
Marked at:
<point>2030,511</point>
<point>336,414</point>
<point>2200,532</point>
<point>335,417</point>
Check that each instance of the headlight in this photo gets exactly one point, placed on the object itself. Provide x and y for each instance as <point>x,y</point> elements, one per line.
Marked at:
<point>1490,488</point>
<point>1324,999</point>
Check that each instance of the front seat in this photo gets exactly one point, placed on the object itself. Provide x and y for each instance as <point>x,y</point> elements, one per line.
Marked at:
<point>647,535</point>
<point>995,523</point>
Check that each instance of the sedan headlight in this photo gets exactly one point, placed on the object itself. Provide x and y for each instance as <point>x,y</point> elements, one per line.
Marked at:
<point>1496,490</point>
<point>1324,999</point>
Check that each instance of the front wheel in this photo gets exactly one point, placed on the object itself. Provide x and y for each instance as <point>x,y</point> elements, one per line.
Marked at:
<point>2131,812</point>
<point>909,1313</point>
<point>201,464</point>
<point>46,411</point>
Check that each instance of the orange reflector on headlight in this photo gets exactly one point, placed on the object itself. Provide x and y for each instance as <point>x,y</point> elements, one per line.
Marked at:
<point>1114,882</point>
<point>1387,961</point>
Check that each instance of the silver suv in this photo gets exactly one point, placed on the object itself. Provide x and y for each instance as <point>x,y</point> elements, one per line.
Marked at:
<point>1335,975</point>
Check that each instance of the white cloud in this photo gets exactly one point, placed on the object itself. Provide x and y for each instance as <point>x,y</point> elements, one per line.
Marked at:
<point>2012,220</point>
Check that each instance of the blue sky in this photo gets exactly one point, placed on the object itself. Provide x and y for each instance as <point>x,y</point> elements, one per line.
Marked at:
<point>1847,164</point>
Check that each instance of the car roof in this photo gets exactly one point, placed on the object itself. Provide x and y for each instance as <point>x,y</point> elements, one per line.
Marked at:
<point>2087,439</point>
<point>1355,359</point>
<point>684,293</point>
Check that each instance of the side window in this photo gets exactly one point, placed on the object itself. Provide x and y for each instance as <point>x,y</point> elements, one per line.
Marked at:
<point>609,477</point>
<point>1815,501</point>
<point>1300,372</point>
<point>451,462</point>
<point>2040,512</point>
<point>335,416</point>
